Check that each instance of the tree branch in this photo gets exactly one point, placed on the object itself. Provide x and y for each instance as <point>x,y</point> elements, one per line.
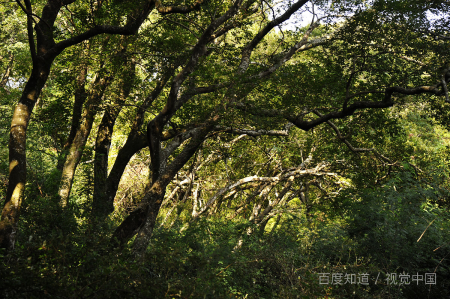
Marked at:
<point>248,49</point>
<point>252,133</point>
<point>307,125</point>
<point>29,12</point>
<point>282,176</point>
<point>354,149</point>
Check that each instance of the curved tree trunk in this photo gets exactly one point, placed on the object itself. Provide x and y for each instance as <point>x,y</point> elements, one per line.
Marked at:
<point>43,52</point>
<point>135,142</point>
<point>142,220</point>
<point>17,154</point>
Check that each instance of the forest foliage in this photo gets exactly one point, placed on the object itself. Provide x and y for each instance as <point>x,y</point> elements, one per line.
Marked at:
<point>224,149</point>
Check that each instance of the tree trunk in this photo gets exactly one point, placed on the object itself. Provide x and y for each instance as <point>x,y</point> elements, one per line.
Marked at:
<point>101,205</point>
<point>77,112</point>
<point>134,143</point>
<point>76,148</point>
<point>17,154</point>
<point>43,50</point>
<point>142,220</point>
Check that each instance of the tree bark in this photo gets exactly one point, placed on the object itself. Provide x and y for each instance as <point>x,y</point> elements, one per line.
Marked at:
<point>42,61</point>
<point>17,154</point>
<point>142,220</point>
<point>102,145</point>
<point>135,142</point>
<point>101,206</point>
<point>76,148</point>
<point>77,112</point>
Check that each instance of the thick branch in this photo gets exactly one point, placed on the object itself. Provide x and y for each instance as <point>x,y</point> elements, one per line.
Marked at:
<point>307,125</point>
<point>253,133</point>
<point>28,10</point>
<point>247,51</point>
<point>132,26</point>
<point>154,127</point>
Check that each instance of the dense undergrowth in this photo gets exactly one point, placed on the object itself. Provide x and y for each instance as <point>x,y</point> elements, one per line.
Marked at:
<point>399,228</point>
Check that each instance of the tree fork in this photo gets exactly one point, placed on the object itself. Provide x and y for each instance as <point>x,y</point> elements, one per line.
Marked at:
<point>142,220</point>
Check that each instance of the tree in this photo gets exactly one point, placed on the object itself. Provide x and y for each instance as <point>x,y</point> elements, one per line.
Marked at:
<point>222,70</point>
<point>364,56</point>
<point>43,52</point>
